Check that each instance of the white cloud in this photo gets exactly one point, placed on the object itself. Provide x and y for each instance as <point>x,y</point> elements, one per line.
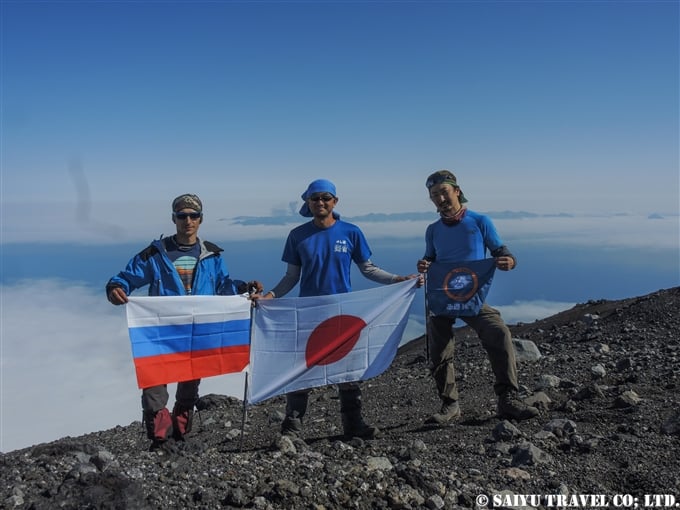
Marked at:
<point>632,231</point>
<point>64,366</point>
<point>529,311</point>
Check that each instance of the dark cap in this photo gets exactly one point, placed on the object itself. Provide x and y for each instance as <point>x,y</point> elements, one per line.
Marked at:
<point>187,201</point>
<point>444,177</point>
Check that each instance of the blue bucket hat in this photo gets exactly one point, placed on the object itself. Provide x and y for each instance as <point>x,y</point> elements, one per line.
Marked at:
<point>317,186</point>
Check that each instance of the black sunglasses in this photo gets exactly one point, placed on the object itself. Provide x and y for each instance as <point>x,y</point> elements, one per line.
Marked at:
<point>185,215</point>
<point>325,198</point>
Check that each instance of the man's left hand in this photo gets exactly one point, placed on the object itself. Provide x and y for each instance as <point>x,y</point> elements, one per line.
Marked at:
<point>419,283</point>
<point>505,263</point>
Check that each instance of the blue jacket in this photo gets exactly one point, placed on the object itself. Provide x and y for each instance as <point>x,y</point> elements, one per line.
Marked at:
<point>152,267</point>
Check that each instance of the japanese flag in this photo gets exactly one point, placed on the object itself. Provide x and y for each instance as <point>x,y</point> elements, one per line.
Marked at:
<point>300,343</point>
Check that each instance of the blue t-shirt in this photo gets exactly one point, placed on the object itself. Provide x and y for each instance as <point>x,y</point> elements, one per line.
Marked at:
<point>325,256</point>
<point>467,240</point>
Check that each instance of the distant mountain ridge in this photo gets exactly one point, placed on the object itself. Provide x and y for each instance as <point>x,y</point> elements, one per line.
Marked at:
<point>290,217</point>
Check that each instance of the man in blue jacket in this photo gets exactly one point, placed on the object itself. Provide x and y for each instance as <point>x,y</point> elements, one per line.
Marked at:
<point>462,235</point>
<point>176,266</point>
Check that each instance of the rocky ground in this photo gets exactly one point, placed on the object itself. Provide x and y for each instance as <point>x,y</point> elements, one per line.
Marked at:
<point>607,383</point>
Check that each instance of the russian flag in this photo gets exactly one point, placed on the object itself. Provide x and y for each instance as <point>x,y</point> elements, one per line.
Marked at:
<point>306,342</point>
<point>180,338</point>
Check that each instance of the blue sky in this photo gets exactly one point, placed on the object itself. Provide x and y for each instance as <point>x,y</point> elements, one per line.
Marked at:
<point>541,106</point>
<point>111,109</point>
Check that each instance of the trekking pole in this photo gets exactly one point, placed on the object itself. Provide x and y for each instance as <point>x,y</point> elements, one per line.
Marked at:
<point>245,411</point>
<point>427,322</point>
<point>251,291</point>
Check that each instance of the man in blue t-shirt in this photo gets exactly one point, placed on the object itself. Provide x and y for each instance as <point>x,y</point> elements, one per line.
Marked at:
<point>463,235</point>
<point>319,255</point>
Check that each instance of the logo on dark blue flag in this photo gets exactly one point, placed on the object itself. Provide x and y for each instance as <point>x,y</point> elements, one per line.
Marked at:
<point>458,289</point>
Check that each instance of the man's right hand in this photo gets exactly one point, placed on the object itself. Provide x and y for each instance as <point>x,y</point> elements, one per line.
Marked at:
<point>423,265</point>
<point>117,296</point>
<point>256,297</point>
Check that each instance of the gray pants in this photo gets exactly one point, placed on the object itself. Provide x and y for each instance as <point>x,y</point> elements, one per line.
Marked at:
<point>156,398</point>
<point>496,340</point>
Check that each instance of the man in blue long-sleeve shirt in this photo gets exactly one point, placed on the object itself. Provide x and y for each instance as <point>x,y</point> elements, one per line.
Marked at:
<point>463,235</point>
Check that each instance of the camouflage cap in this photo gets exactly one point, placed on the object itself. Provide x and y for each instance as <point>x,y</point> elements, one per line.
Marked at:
<point>444,177</point>
<point>187,201</point>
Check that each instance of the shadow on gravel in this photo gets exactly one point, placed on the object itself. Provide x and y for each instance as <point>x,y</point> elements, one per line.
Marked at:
<point>477,421</point>
<point>467,422</point>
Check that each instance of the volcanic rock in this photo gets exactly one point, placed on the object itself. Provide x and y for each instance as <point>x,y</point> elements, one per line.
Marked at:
<point>620,436</point>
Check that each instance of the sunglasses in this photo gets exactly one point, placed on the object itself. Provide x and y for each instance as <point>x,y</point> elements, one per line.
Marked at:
<point>325,198</point>
<point>185,215</point>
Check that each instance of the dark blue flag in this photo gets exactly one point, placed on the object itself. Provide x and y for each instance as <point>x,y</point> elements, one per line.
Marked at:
<point>457,289</point>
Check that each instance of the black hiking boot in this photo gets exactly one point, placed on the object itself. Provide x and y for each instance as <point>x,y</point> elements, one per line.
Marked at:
<point>449,411</point>
<point>296,407</point>
<point>353,425</point>
<point>511,407</point>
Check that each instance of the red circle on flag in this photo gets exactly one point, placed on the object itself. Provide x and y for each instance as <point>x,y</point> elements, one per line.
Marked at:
<point>333,339</point>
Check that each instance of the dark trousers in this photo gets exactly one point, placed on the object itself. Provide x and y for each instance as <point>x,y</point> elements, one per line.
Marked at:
<point>156,398</point>
<point>496,340</point>
<point>350,400</point>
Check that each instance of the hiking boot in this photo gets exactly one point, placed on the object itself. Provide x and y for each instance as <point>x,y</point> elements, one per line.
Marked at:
<point>510,406</point>
<point>182,420</point>
<point>158,425</point>
<point>296,407</point>
<point>167,446</point>
<point>353,425</point>
<point>291,427</point>
<point>450,411</point>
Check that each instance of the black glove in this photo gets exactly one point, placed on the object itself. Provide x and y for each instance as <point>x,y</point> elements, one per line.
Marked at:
<point>251,287</point>
<point>255,287</point>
